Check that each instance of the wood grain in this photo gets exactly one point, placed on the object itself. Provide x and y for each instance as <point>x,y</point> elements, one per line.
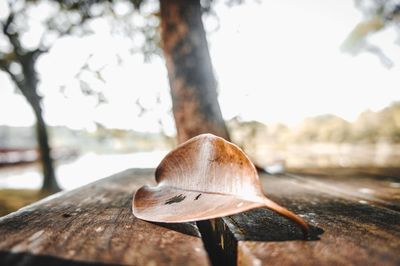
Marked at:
<point>351,231</point>
<point>94,224</point>
<point>381,190</point>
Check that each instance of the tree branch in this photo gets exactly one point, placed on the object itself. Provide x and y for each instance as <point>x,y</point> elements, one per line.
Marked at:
<point>5,66</point>
<point>12,37</point>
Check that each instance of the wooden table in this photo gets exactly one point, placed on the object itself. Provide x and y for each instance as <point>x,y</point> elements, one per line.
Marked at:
<point>355,221</point>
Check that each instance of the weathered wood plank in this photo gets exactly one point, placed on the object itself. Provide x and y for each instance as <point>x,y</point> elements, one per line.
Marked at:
<point>353,232</point>
<point>94,224</point>
<point>379,190</point>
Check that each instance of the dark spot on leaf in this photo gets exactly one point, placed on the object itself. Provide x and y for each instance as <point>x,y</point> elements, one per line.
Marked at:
<point>197,197</point>
<point>216,159</point>
<point>66,215</point>
<point>175,199</point>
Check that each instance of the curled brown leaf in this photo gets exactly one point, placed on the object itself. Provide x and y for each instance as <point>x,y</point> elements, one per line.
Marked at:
<point>204,178</point>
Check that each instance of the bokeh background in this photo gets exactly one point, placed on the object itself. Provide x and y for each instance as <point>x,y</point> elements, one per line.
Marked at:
<point>303,86</point>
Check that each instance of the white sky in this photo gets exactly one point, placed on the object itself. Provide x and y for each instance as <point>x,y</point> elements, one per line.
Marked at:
<point>278,61</point>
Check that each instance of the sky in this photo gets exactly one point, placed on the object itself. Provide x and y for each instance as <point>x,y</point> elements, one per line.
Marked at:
<point>275,61</point>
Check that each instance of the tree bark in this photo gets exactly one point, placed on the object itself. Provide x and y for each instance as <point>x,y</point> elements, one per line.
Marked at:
<point>29,89</point>
<point>49,184</point>
<point>193,85</point>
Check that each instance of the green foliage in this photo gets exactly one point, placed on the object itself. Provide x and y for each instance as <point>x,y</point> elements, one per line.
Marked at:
<point>325,128</point>
<point>369,127</point>
<point>378,15</point>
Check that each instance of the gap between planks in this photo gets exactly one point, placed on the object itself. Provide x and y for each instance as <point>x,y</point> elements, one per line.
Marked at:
<point>371,226</point>
<point>221,249</point>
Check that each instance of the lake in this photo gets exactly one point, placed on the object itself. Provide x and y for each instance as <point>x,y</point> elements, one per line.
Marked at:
<point>84,169</point>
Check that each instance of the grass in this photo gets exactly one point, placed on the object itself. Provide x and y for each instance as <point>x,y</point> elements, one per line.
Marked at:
<point>14,199</point>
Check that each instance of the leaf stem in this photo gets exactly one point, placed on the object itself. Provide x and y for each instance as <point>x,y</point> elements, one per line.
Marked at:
<point>288,214</point>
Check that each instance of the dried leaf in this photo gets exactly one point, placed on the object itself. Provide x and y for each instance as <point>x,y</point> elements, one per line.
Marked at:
<point>204,178</point>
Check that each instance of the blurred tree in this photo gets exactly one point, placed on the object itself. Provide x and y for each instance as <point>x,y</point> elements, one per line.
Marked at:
<point>389,128</point>
<point>384,125</point>
<point>19,63</point>
<point>378,15</point>
<point>185,49</point>
<point>323,128</point>
<point>366,128</point>
<point>19,53</point>
<point>193,85</point>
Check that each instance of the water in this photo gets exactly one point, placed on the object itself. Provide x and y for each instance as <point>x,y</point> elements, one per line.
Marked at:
<point>91,166</point>
<point>83,170</point>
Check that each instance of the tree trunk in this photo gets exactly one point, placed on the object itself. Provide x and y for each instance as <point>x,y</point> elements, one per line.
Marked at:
<point>193,86</point>
<point>49,184</point>
<point>29,90</point>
